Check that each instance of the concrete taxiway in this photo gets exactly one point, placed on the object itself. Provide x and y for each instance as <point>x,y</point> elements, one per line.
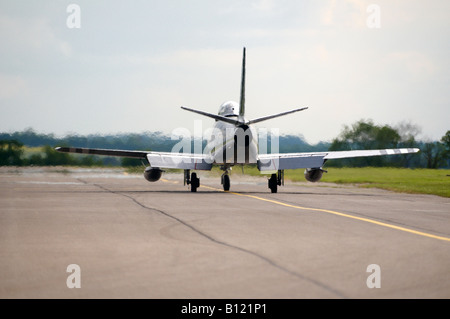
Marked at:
<point>134,239</point>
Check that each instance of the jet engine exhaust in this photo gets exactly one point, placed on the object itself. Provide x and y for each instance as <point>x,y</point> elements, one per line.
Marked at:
<point>313,174</point>
<point>152,174</point>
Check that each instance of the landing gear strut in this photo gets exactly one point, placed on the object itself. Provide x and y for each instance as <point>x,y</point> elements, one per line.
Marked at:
<point>275,180</point>
<point>193,180</point>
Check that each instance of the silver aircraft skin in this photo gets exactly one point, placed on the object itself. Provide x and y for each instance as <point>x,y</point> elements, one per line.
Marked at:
<point>234,141</point>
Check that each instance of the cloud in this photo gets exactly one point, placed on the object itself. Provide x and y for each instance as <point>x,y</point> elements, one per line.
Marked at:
<point>413,65</point>
<point>12,86</point>
<point>344,13</point>
<point>263,5</point>
<point>31,36</point>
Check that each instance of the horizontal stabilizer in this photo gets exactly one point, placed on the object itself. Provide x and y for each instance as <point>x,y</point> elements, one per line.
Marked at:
<point>238,121</point>
<point>264,118</point>
<point>215,116</point>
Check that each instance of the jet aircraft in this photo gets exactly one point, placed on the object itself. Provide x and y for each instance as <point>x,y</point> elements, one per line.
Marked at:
<point>234,141</point>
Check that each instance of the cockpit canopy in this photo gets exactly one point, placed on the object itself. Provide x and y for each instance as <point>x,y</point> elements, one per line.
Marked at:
<point>229,108</point>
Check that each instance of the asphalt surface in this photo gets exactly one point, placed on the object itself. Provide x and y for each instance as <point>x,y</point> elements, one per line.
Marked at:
<point>135,239</point>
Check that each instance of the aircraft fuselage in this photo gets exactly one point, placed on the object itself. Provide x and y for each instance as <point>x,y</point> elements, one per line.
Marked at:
<point>231,144</point>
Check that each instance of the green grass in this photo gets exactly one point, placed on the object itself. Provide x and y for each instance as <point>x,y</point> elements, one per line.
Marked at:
<point>28,151</point>
<point>415,181</point>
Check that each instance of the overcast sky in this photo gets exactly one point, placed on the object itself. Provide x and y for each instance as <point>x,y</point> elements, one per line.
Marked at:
<point>132,64</point>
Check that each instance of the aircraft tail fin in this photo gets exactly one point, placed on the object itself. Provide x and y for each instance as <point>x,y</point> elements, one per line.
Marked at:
<point>241,120</point>
<point>242,99</point>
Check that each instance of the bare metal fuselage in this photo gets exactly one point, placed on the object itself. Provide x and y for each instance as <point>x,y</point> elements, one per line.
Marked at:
<point>231,144</point>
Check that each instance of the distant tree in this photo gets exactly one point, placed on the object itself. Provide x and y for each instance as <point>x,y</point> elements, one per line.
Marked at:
<point>408,139</point>
<point>129,162</point>
<point>88,160</point>
<point>434,153</point>
<point>386,137</point>
<point>445,140</point>
<point>35,159</point>
<point>110,161</point>
<point>364,135</point>
<point>408,133</point>
<point>53,157</point>
<point>11,152</point>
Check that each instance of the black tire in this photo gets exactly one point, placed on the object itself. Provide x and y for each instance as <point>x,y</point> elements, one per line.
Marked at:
<point>195,182</point>
<point>273,183</point>
<point>226,182</point>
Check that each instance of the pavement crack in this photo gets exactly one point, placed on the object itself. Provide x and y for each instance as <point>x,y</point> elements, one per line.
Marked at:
<point>222,243</point>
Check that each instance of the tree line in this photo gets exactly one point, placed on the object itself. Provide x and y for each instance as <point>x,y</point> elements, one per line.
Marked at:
<point>364,134</point>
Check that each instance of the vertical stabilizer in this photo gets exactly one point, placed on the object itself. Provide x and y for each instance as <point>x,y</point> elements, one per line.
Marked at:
<point>242,99</point>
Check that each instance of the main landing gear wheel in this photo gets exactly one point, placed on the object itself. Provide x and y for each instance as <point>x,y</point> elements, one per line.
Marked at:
<point>225,178</point>
<point>276,180</point>
<point>273,183</point>
<point>195,182</point>
<point>226,182</point>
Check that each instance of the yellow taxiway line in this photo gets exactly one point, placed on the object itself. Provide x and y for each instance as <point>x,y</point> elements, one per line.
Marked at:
<point>338,214</point>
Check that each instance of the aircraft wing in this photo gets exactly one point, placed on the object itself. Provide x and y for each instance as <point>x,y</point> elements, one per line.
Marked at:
<point>99,151</point>
<point>179,160</point>
<point>271,162</point>
<point>156,159</point>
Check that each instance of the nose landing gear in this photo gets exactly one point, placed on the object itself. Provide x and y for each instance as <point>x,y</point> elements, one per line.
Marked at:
<point>192,180</point>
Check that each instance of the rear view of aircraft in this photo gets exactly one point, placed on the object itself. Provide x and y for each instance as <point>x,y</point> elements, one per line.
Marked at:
<point>235,142</point>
